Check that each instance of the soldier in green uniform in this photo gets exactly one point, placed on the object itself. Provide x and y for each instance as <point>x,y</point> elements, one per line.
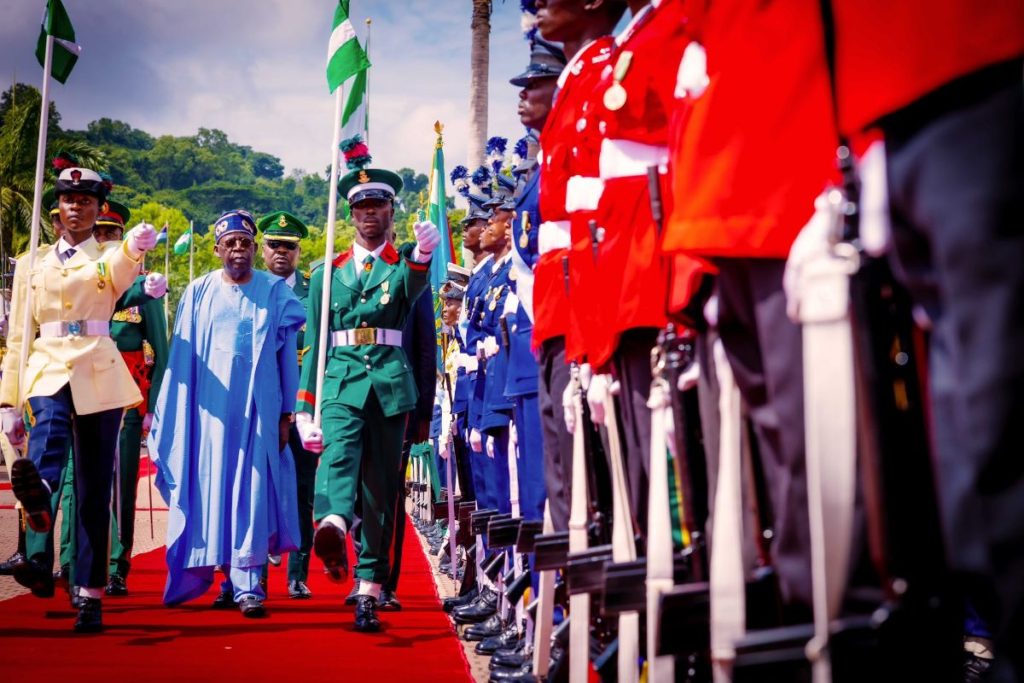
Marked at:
<point>282,233</point>
<point>368,387</point>
<point>139,329</point>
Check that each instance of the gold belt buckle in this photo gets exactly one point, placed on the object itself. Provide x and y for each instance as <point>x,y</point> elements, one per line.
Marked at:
<point>366,335</point>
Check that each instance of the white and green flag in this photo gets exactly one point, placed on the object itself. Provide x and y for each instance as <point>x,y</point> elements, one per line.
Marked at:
<point>345,56</point>
<point>355,120</point>
<point>56,23</point>
<point>181,246</point>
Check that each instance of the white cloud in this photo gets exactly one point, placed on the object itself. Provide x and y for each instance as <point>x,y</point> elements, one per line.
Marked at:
<point>255,69</point>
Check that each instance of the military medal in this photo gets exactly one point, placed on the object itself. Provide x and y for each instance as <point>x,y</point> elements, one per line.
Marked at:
<point>524,236</point>
<point>101,269</point>
<point>385,297</point>
<point>615,96</point>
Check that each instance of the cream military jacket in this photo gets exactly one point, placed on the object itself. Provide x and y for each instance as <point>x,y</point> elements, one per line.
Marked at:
<point>85,287</point>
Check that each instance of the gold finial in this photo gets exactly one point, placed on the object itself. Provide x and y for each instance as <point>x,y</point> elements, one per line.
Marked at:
<point>369,21</point>
<point>438,127</point>
<point>423,198</point>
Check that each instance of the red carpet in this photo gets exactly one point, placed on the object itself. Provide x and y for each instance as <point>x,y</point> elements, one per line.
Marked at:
<point>307,641</point>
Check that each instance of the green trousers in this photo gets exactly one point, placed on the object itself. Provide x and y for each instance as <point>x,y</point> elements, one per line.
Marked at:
<point>305,479</point>
<point>364,449</point>
<point>39,546</point>
<point>129,452</point>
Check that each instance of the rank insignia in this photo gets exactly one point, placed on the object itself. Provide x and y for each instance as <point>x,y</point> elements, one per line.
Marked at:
<point>283,222</point>
<point>363,177</point>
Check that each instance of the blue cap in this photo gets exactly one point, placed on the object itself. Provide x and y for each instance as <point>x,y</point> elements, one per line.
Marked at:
<point>547,60</point>
<point>238,220</point>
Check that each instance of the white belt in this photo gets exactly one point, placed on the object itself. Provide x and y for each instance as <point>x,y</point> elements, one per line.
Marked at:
<point>625,158</point>
<point>583,193</point>
<point>75,328</point>
<point>366,335</point>
<point>553,235</point>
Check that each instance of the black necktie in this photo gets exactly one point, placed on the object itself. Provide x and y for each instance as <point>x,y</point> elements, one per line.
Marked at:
<point>64,256</point>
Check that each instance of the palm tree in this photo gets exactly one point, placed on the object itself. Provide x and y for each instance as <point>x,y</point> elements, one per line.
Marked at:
<point>18,138</point>
<point>479,67</point>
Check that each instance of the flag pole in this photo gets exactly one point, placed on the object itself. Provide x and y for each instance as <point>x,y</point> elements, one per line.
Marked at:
<point>325,298</point>
<point>167,268</point>
<point>369,23</point>
<point>191,260</point>
<point>37,201</point>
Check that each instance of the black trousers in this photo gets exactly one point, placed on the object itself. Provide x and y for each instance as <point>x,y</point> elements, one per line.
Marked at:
<point>765,352</point>
<point>956,190</point>
<point>632,362</point>
<point>305,478</point>
<point>56,427</point>
<point>554,378</point>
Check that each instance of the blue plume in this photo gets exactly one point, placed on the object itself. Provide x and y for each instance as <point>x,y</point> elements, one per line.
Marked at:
<point>482,180</point>
<point>460,179</point>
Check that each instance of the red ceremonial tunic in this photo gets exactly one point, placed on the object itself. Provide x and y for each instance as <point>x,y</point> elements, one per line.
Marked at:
<point>550,293</point>
<point>631,292</point>
<point>751,153</point>
<point>889,54</point>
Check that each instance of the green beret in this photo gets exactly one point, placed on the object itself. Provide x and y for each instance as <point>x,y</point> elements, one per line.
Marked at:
<point>281,225</point>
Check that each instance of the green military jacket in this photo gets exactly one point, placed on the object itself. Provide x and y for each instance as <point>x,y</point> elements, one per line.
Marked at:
<point>383,300</point>
<point>301,292</point>
<point>139,318</point>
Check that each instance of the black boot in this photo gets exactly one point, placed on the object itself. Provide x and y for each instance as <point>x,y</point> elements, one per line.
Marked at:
<point>18,558</point>
<point>90,616</point>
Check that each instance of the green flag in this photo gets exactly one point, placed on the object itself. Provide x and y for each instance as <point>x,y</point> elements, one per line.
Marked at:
<point>182,244</point>
<point>345,56</point>
<point>355,120</point>
<point>65,51</point>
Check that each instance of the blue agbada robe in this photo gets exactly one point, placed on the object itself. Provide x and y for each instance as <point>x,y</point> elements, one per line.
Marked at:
<point>232,371</point>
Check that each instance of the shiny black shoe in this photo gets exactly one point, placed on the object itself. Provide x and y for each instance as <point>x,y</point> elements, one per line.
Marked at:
<point>366,614</point>
<point>90,616</point>
<point>488,629</point>
<point>224,600</point>
<point>252,607</point>
<point>353,594</point>
<point>36,577</point>
<point>76,600</point>
<point>389,602</point>
<point>510,659</point>
<point>481,609</point>
<point>523,674</point>
<point>298,590</point>
<point>62,578</point>
<point>33,495</point>
<point>116,586</point>
<point>448,604</point>
<point>508,638</point>
<point>329,546</point>
<point>7,566</point>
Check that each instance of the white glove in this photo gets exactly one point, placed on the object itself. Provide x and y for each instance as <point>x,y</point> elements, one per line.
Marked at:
<point>470,363</point>
<point>427,239</point>
<point>156,285</point>
<point>476,440</point>
<point>568,408</point>
<point>513,439</point>
<point>597,394</point>
<point>13,426</point>
<point>511,304</point>
<point>147,424</point>
<point>444,447</point>
<point>688,377</point>
<point>141,238</point>
<point>585,374</point>
<point>312,437</point>
<point>490,447</point>
<point>692,78</point>
<point>490,347</point>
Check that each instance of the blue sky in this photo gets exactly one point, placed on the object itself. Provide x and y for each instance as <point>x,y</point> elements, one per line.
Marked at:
<point>255,69</point>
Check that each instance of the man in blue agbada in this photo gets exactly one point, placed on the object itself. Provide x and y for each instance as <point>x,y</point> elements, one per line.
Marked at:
<point>220,431</point>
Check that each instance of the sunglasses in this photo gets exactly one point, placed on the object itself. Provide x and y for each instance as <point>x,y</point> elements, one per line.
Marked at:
<point>277,244</point>
<point>243,243</point>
